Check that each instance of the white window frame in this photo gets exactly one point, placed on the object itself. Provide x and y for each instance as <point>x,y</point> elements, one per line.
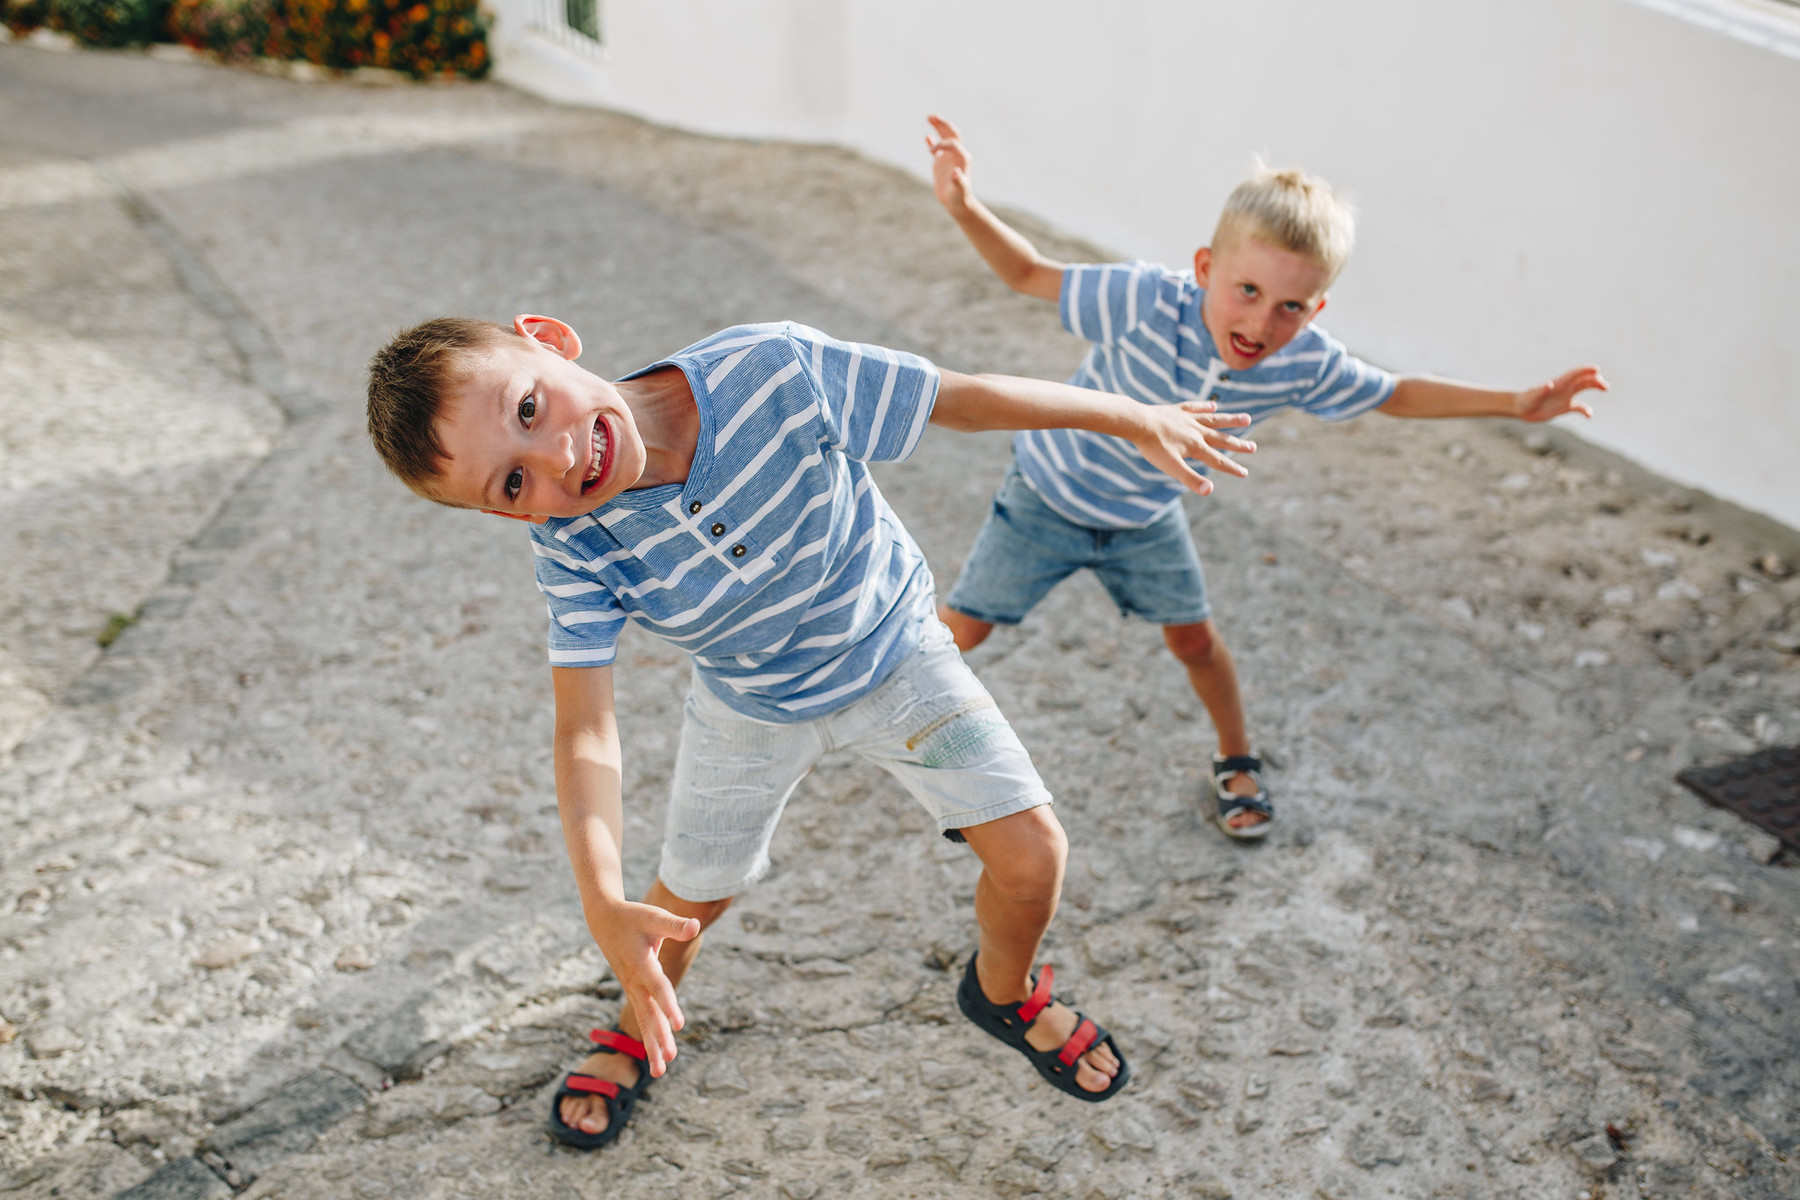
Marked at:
<point>549,19</point>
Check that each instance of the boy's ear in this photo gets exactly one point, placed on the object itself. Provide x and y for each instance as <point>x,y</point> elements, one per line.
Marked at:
<point>551,332</point>
<point>1202,265</point>
<point>526,517</point>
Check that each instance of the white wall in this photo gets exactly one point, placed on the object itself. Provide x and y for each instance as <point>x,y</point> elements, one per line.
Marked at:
<point>1541,182</point>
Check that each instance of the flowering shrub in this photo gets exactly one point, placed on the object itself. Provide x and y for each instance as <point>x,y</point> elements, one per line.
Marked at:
<point>423,38</point>
<point>235,30</point>
<point>420,37</point>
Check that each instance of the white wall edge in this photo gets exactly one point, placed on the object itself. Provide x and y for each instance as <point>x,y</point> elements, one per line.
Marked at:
<point>536,65</point>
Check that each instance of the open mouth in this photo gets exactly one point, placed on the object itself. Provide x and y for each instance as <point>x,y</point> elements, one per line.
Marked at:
<point>1244,346</point>
<point>599,444</point>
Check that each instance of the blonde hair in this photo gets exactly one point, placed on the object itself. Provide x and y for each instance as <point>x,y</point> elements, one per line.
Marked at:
<point>1292,211</point>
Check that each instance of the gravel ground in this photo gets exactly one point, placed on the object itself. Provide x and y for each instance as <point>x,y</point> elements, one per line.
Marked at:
<point>283,907</point>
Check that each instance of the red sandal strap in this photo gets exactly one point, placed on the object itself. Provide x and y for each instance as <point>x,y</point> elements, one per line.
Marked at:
<point>612,1039</point>
<point>587,1083</point>
<point>1079,1042</point>
<point>1039,999</point>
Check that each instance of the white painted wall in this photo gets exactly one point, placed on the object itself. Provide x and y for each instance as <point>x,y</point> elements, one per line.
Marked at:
<point>1541,182</point>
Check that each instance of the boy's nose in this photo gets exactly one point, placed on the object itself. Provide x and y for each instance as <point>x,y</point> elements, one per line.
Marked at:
<point>556,453</point>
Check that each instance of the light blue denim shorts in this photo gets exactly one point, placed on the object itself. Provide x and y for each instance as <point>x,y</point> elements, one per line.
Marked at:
<point>1025,548</point>
<point>931,725</point>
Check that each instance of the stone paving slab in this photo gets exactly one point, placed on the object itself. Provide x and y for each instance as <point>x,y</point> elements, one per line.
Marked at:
<point>296,827</point>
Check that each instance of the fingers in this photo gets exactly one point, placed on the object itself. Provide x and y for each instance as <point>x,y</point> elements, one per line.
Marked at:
<point>667,924</point>
<point>945,129</point>
<point>1177,469</point>
<point>1224,441</point>
<point>1207,413</point>
<point>1221,462</point>
<point>652,1000</point>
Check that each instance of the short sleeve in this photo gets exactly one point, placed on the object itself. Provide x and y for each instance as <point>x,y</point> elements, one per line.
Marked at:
<point>585,618</point>
<point>1347,386</point>
<point>875,401</point>
<point>1102,302</point>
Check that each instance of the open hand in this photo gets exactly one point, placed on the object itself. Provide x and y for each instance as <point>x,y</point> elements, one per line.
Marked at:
<point>1175,433</point>
<point>631,940</point>
<point>949,164</point>
<point>1553,399</point>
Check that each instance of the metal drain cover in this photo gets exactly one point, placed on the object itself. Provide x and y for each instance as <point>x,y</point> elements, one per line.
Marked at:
<point>1763,788</point>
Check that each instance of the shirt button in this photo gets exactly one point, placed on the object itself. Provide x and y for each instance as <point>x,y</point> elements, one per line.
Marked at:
<point>737,552</point>
<point>694,507</point>
<point>1223,377</point>
<point>1214,397</point>
<point>718,528</point>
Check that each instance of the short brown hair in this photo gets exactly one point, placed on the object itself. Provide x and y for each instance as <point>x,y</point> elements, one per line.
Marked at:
<point>408,380</point>
<point>1292,211</point>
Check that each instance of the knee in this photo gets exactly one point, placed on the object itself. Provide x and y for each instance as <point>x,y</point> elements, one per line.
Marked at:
<point>703,911</point>
<point>708,911</point>
<point>1194,645</point>
<point>968,632</point>
<point>1028,868</point>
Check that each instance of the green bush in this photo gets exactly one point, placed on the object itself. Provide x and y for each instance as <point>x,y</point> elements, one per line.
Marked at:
<point>23,16</point>
<point>91,22</point>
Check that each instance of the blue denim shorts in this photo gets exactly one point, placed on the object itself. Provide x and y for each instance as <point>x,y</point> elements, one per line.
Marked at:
<point>931,725</point>
<point>1025,548</point>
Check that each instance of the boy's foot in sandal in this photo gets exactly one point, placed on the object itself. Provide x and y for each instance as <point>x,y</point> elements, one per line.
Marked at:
<point>1244,809</point>
<point>1073,1053</point>
<point>595,1101</point>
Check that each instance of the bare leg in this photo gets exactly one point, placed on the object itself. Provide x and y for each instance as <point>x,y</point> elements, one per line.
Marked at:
<point>968,632</point>
<point>1210,670</point>
<point>588,1113</point>
<point>1022,859</point>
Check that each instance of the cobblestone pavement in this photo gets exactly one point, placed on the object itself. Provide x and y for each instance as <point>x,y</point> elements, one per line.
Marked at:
<point>283,906</point>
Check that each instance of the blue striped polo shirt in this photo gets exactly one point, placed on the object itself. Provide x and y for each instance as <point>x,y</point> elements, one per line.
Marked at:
<point>1150,344</point>
<point>777,565</point>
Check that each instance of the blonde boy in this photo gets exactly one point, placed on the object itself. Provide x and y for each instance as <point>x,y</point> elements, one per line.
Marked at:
<point>1237,331</point>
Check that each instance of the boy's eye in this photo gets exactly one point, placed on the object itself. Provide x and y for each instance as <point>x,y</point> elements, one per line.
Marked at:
<point>1293,306</point>
<point>1249,289</point>
<point>514,482</point>
<point>527,409</point>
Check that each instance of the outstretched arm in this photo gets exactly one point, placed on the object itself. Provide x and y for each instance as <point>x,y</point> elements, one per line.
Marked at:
<point>1007,251</point>
<point>588,796</point>
<point>1166,434</point>
<point>1423,396</point>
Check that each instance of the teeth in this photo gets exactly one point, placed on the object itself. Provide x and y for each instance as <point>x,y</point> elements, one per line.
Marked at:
<point>599,451</point>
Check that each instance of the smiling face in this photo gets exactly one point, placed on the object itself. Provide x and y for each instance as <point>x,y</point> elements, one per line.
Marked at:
<point>529,433</point>
<point>1258,298</point>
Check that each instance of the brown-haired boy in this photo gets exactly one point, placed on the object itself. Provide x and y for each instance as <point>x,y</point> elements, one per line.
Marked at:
<point>721,498</point>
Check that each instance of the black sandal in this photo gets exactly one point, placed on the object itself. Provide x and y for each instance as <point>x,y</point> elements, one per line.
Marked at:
<point>620,1100</point>
<point>1231,804</point>
<point>1008,1022</point>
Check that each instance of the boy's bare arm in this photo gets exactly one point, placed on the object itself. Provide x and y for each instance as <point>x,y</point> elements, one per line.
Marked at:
<point>1423,396</point>
<point>1007,251</point>
<point>588,797</point>
<point>1166,434</point>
